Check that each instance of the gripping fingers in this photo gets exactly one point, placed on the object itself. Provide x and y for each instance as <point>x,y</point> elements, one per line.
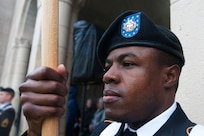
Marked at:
<point>38,113</point>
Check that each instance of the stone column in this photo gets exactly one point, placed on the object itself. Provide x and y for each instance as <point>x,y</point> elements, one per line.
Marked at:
<point>35,55</point>
<point>65,16</point>
<point>16,34</point>
<point>22,52</point>
<point>68,12</point>
<point>187,22</point>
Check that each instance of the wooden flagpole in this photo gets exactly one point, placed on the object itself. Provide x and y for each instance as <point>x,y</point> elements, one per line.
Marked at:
<point>49,52</point>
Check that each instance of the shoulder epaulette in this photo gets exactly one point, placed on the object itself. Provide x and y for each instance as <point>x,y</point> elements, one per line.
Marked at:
<point>108,121</point>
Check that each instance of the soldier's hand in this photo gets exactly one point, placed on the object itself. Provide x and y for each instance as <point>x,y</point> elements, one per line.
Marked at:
<point>43,95</point>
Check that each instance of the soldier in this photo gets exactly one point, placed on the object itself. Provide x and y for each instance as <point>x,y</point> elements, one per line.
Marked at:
<point>142,63</point>
<point>7,112</point>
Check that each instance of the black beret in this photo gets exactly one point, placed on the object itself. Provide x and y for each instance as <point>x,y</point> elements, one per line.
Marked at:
<point>8,90</point>
<point>133,28</point>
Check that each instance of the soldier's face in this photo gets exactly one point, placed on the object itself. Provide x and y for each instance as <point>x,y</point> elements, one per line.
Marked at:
<point>133,84</point>
<point>3,96</point>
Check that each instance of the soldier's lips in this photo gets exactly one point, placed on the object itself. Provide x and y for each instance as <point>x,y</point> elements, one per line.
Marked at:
<point>110,96</point>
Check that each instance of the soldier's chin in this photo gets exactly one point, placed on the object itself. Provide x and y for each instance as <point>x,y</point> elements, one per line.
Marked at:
<point>114,116</point>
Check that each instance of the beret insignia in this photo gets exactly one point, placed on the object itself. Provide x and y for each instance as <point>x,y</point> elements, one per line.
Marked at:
<point>130,25</point>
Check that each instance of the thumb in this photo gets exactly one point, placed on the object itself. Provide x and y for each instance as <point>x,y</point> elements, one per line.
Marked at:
<point>61,69</point>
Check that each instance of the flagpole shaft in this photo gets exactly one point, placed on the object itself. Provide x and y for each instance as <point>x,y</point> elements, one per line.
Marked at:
<point>49,53</point>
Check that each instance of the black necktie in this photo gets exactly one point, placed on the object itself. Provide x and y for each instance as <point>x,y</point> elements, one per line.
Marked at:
<point>129,133</point>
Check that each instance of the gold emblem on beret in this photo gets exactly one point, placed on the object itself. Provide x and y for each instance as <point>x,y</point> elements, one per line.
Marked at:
<point>5,123</point>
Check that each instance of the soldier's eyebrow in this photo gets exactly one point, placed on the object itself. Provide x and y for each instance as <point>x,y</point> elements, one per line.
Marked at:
<point>122,57</point>
<point>128,54</point>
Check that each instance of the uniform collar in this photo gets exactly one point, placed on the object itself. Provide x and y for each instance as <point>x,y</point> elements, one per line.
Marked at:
<point>4,105</point>
<point>151,127</point>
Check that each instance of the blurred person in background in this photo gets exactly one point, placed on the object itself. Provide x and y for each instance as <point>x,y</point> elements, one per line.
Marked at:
<point>7,112</point>
<point>87,117</point>
<point>99,115</point>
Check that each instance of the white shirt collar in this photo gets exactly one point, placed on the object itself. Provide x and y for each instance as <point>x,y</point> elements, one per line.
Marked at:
<point>151,127</point>
<point>2,105</point>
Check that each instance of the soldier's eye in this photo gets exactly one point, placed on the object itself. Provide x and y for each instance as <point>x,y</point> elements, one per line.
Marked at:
<point>128,64</point>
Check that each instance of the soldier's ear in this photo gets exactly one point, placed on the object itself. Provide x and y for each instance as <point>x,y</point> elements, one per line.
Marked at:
<point>172,74</point>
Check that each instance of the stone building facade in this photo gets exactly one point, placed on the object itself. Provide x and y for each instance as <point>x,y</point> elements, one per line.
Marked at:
<point>20,41</point>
